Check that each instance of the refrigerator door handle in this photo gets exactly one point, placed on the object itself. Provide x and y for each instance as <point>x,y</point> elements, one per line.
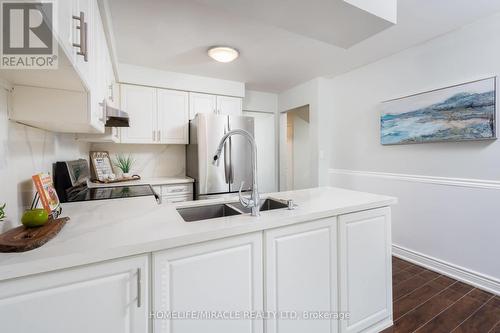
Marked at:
<point>227,160</point>
<point>231,171</point>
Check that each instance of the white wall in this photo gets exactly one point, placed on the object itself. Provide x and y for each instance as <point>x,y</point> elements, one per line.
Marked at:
<point>150,160</point>
<point>260,105</point>
<point>260,101</point>
<point>450,219</point>
<point>25,151</point>
<point>299,142</point>
<point>317,94</point>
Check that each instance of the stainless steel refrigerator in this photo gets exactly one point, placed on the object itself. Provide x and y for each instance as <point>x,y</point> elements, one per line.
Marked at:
<point>205,133</point>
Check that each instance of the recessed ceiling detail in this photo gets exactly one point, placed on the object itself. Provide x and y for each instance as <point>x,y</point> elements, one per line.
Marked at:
<point>174,35</point>
<point>336,22</point>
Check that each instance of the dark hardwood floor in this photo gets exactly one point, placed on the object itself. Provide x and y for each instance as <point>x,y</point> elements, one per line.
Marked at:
<point>425,301</point>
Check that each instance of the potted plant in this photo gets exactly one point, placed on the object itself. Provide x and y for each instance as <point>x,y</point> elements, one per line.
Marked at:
<point>124,163</point>
<point>2,212</point>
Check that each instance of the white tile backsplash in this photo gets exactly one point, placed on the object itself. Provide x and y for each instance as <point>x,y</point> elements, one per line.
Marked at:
<point>25,151</point>
<point>150,160</point>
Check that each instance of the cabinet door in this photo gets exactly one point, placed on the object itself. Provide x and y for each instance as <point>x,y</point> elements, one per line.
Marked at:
<point>140,104</point>
<point>85,67</point>
<point>65,26</point>
<point>173,118</point>
<point>109,297</point>
<point>231,106</point>
<point>365,269</point>
<point>221,275</point>
<point>201,103</point>
<point>98,66</point>
<point>301,275</point>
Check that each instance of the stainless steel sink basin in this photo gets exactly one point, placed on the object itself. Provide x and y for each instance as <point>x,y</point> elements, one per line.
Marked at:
<point>271,204</point>
<point>190,214</point>
<point>267,204</point>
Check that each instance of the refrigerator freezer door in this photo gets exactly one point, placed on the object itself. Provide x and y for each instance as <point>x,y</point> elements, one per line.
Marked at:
<point>210,130</point>
<point>241,154</point>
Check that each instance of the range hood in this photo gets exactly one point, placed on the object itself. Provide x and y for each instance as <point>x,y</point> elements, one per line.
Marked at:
<point>115,117</point>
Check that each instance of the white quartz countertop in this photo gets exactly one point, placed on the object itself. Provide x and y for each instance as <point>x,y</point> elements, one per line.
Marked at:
<point>109,229</point>
<point>146,181</point>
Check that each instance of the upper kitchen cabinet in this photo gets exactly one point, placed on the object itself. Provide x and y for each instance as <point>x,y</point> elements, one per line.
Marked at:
<point>70,98</point>
<point>157,116</point>
<point>173,108</point>
<point>207,103</point>
<point>201,103</point>
<point>140,103</point>
<point>232,106</point>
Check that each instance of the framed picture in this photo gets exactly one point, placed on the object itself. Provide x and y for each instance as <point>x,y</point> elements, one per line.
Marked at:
<point>102,168</point>
<point>458,113</point>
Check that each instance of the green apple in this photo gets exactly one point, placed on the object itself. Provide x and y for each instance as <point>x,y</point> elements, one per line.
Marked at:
<point>35,217</point>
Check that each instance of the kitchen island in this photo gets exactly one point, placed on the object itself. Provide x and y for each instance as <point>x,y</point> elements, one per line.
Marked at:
<point>134,265</point>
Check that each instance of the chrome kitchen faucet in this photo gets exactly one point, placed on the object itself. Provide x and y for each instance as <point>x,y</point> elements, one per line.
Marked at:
<point>254,201</point>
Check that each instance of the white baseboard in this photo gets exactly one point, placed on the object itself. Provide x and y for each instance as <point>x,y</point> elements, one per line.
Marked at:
<point>478,280</point>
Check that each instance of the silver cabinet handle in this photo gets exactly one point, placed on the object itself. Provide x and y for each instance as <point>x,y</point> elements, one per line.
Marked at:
<point>139,296</point>
<point>103,106</point>
<point>83,36</point>
<point>111,93</point>
<point>154,136</point>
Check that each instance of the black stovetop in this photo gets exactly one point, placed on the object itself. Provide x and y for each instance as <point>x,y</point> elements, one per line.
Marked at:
<point>103,193</point>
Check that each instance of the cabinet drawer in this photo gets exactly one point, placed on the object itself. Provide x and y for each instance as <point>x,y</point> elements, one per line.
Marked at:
<point>176,199</point>
<point>177,189</point>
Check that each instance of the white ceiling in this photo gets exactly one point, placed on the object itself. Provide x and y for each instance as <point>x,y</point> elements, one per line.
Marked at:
<point>174,35</point>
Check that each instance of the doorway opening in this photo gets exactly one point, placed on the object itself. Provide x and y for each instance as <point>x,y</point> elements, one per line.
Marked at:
<point>295,149</point>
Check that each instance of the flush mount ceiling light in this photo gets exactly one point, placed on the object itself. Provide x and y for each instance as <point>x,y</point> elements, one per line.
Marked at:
<point>223,53</point>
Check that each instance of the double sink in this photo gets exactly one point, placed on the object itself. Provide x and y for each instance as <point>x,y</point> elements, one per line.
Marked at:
<point>191,214</point>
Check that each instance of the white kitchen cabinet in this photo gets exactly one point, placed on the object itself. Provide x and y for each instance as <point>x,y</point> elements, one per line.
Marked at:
<point>109,297</point>
<point>300,275</point>
<point>156,115</point>
<point>173,120</point>
<point>65,26</point>
<point>231,106</point>
<point>140,104</point>
<point>80,82</point>
<point>174,193</point>
<point>206,103</point>
<point>365,269</point>
<point>201,103</point>
<point>220,275</point>
<point>85,67</point>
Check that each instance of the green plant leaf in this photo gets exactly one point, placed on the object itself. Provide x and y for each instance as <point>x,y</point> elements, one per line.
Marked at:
<point>124,163</point>
<point>2,212</point>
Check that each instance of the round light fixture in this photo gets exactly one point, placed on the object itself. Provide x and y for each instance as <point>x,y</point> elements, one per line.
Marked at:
<point>223,53</point>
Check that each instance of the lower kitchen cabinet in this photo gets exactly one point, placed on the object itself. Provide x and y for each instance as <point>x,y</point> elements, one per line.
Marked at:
<point>316,268</point>
<point>220,275</point>
<point>300,276</point>
<point>110,297</point>
<point>365,270</point>
<point>174,193</point>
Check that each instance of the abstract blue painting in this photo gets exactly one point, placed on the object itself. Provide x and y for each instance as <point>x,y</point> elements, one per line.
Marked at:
<point>457,113</point>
